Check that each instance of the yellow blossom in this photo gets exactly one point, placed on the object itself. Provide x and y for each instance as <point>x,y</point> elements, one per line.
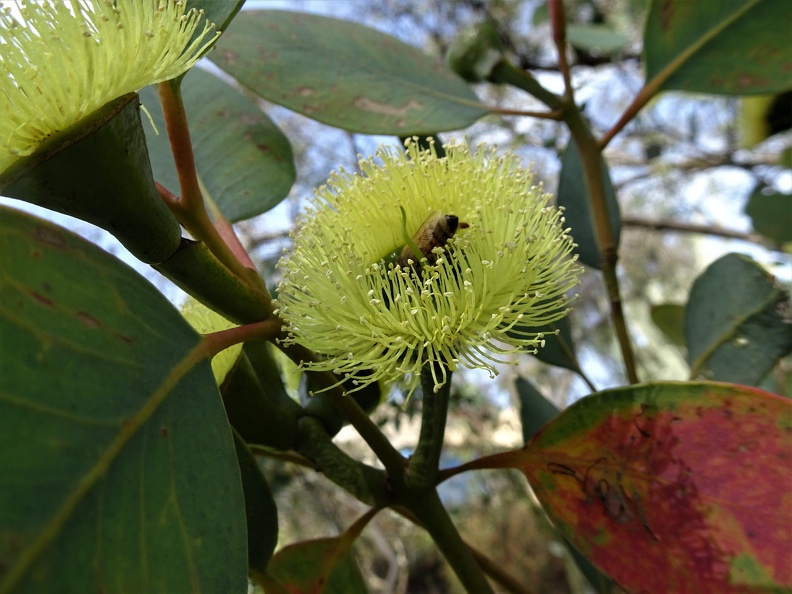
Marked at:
<point>61,61</point>
<point>371,319</point>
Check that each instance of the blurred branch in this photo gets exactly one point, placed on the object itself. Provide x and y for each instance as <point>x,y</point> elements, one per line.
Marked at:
<point>495,571</point>
<point>545,115</point>
<point>260,240</point>
<point>393,461</point>
<point>558,24</point>
<point>291,457</point>
<point>425,461</point>
<point>591,156</point>
<point>664,225</point>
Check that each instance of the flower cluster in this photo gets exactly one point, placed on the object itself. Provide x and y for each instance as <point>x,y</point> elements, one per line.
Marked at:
<point>504,273</point>
<point>61,61</point>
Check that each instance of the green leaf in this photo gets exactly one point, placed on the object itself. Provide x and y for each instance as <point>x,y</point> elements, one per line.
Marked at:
<point>476,51</point>
<point>771,214</point>
<point>735,328</point>
<point>275,370</point>
<point>321,406</point>
<point>219,12</point>
<point>541,15</point>
<point>344,74</point>
<point>206,320</point>
<point>672,487</point>
<point>559,349</point>
<point>325,565</point>
<point>535,409</point>
<point>596,37</point>
<point>573,195</point>
<point>670,318</point>
<point>786,158</point>
<point>260,508</point>
<point>731,47</point>
<point>243,160</point>
<point>118,471</point>
<point>254,409</point>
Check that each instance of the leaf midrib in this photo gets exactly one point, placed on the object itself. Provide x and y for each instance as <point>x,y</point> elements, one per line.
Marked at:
<point>102,465</point>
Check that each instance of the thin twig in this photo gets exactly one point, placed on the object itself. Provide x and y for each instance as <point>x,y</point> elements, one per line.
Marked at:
<point>558,23</point>
<point>666,225</point>
<point>190,209</point>
<point>590,156</point>
<point>556,114</point>
<point>390,457</point>
<point>292,457</point>
<point>653,86</point>
<point>496,572</point>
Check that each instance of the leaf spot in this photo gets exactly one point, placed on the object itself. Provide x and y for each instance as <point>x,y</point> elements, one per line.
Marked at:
<point>366,104</point>
<point>41,299</point>
<point>48,237</point>
<point>88,320</point>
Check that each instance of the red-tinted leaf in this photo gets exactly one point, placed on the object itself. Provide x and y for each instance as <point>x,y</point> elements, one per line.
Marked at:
<point>671,487</point>
<point>322,565</point>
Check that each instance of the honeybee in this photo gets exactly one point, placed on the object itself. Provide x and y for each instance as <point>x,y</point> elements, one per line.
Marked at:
<point>434,232</point>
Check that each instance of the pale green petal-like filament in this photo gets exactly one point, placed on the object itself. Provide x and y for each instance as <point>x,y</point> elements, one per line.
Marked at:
<point>59,62</point>
<point>511,268</point>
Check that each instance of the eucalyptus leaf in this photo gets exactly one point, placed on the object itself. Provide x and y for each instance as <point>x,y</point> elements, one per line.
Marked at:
<point>345,75</point>
<point>535,409</point>
<point>596,37</point>
<point>559,348</point>
<point>118,471</point>
<point>670,318</point>
<point>206,320</point>
<point>771,214</point>
<point>573,195</point>
<point>322,565</point>
<point>535,412</point>
<point>260,508</point>
<point>253,408</point>
<point>736,322</point>
<point>243,160</point>
<point>734,47</point>
<point>219,12</point>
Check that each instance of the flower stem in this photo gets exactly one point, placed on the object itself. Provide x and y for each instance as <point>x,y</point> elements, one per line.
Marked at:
<point>366,483</point>
<point>190,208</point>
<point>507,73</point>
<point>226,231</point>
<point>390,457</point>
<point>590,156</point>
<point>425,462</point>
<point>433,516</point>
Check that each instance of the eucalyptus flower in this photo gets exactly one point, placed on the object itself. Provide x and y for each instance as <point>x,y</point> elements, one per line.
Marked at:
<point>479,297</point>
<point>60,61</point>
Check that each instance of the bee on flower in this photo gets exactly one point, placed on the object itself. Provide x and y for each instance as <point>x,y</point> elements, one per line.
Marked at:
<point>494,262</point>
